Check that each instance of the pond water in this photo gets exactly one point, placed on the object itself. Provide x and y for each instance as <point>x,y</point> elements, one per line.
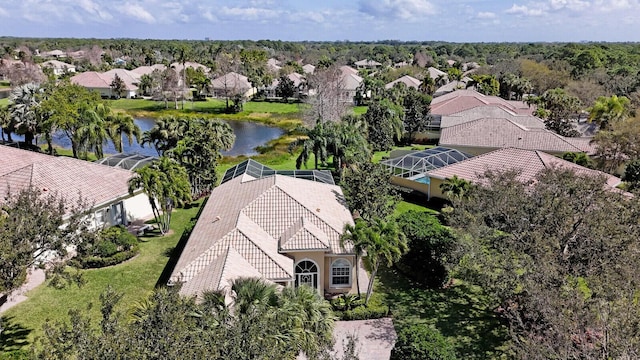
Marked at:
<point>249,135</point>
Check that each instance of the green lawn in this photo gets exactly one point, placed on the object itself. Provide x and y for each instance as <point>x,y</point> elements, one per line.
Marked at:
<point>359,110</point>
<point>4,102</point>
<point>135,278</point>
<point>462,313</point>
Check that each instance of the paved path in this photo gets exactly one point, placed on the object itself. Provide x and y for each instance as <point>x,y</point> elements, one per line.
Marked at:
<point>35,278</point>
<point>375,338</point>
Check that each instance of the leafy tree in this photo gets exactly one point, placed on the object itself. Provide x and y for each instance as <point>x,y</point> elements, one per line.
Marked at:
<point>557,255</point>
<point>431,248</point>
<point>485,84</point>
<point>416,113</point>
<point>632,173</point>
<point>422,342</point>
<point>348,144</point>
<point>616,146</point>
<point>384,124</point>
<point>166,183</point>
<point>608,110</point>
<point>382,241</point>
<point>6,123</point>
<point>118,86</point>
<point>581,159</point>
<point>33,227</point>
<point>557,107</point>
<point>199,152</point>
<point>285,88</point>
<point>316,143</point>
<point>368,191</point>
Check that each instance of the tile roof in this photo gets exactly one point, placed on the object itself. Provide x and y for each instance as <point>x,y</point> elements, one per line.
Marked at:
<point>435,73</point>
<point>308,68</point>
<point>502,133</point>
<point>92,79</point>
<point>351,81</point>
<point>367,63</point>
<point>146,70</point>
<point>57,64</point>
<point>528,162</point>
<point>260,219</point>
<point>491,111</point>
<point>346,70</point>
<point>67,177</point>
<point>460,100</point>
<point>408,80</point>
<point>295,77</point>
<point>231,80</point>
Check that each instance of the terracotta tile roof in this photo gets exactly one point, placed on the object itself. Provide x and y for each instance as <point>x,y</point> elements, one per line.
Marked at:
<point>92,79</point>
<point>69,178</point>
<point>231,80</point>
<point>308,68</point>
<point>528,162</point>
<point>295,77</point>
<point>56,64</point>
<point>367,63</point>
<point>410,81</point>
<point>351,81</point>
<point>491,111</point>
<point>346,70</point>
<point>146,70</point>
<point>255,217</point>
<point>501,133</point>
<point>435,73</point>
<point>460,100</point>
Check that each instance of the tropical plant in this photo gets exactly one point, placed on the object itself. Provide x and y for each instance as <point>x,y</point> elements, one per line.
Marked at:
<point>422,342</point>
<point>91,133</point>
<point>384,124</point>
<point>608,110</point>
<point>6,123</point>
<point>119,125</point>
<point>382,242</point>
<point>315,142</point>
<point>166,183</point>
<point>24,101</point>
<point>166,133</point>
<point>118,86</point>
<point>368,192</point>
<point>455,187</point>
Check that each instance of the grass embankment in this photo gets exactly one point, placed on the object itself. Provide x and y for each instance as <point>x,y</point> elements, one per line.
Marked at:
<point>135,279</point>
<point>284,115</point>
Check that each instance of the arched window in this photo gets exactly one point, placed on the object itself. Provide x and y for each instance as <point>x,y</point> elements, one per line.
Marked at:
<point>341,273</point>
<point>307,274</point>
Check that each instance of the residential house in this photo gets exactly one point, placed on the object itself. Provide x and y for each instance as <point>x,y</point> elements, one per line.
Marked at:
<point>408,80</point>
<point>103,188</point>
<point>298,81</point>
<point>438,75</point>
<point>58,67</point>
<point>484,135</point>
<point>461,100</point>
<point>147,70</point>
<point>274,65</point>
<point>282,226</point>
<point>308,68</point>
<point>177,66</point>
<point>367,64</point>
<point>56,54</point>
<point>349,87</point>
<point>231,84</point>
<point>527,162</point>
<point>101,82</point>
<point>348,70</point>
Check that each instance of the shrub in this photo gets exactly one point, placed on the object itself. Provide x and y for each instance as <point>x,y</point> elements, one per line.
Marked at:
<point>110,247</point>
<point>422,342</point>
<point>430,245</point>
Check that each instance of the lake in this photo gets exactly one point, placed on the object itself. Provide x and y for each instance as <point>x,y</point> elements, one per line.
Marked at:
<point>249,135</point>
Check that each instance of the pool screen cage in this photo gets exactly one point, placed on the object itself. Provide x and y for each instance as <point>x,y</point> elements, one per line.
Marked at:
<point>422,161</point>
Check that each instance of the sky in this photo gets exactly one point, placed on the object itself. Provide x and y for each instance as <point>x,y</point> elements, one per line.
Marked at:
<point>326,20</point>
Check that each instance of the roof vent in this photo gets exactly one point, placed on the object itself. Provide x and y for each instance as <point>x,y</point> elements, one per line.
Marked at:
<point>216,219</point>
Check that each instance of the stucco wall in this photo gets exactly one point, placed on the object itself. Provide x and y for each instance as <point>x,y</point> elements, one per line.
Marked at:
<point>337,290</point>
<point>318,258</point>
<point>324,268</point>
<point>138,208</point>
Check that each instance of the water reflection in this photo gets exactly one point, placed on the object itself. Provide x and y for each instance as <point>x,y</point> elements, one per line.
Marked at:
<point>249,135</point>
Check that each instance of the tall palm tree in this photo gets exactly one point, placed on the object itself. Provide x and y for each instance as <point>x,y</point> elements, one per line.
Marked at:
<point>119,124</point>
<point>166,133</point>
<point>91,133</point>
<point>6,123</point>
<point>355,236</point>
<point>23,103</point>
<point>316,142</point>
<point>382,242</point>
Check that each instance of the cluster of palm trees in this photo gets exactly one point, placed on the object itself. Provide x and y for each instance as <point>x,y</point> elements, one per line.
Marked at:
<point>70,110</point>
<point>254,320</point>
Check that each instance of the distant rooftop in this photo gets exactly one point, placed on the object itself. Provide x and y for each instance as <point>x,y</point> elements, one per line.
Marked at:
<point>258,171</point>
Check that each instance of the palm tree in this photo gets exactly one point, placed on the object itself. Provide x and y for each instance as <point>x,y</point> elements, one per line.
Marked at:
<point>166,133</point>
<point>166,183</point>
<point>119,124</point>
<point>92,132</point>
<point>607,110</point>
<point>315,143</point>
<point>381,241</point>
<point>6,123</point>
<point>356,236</point>
<point>23,103</point>
<point>455,187</point>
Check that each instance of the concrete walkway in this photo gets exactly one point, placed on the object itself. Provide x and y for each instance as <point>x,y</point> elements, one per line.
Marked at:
<point>374,338</point>
<point>34,278</point>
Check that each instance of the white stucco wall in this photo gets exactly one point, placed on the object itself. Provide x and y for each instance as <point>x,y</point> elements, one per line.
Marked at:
<point>138,208</point>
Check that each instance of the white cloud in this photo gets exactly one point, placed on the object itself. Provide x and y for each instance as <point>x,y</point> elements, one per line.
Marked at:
<point>397,9</point>
<point>94,9</point>
<point>137,12</point>
<point>249,13</point>
<point>486,15</point>
<point>523,10</point>
<point>575,5</point>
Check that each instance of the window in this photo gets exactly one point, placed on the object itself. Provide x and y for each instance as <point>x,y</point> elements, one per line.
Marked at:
<point>99,217</point>
<point>341,273</point>
<point>307,274</point>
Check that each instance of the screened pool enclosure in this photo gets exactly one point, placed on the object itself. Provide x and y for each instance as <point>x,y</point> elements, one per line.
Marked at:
<point>415,164</point>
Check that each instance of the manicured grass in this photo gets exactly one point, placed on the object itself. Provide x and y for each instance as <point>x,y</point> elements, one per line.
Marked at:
<point>463,313</point>
<point>4,102</point>
<point>359,110</point>
<point>135,279</point>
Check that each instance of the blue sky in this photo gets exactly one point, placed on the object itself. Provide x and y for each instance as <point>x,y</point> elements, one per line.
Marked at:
<point>448,20</point>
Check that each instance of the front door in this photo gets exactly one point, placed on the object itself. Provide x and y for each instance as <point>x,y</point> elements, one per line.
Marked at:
<point>307,274</point>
